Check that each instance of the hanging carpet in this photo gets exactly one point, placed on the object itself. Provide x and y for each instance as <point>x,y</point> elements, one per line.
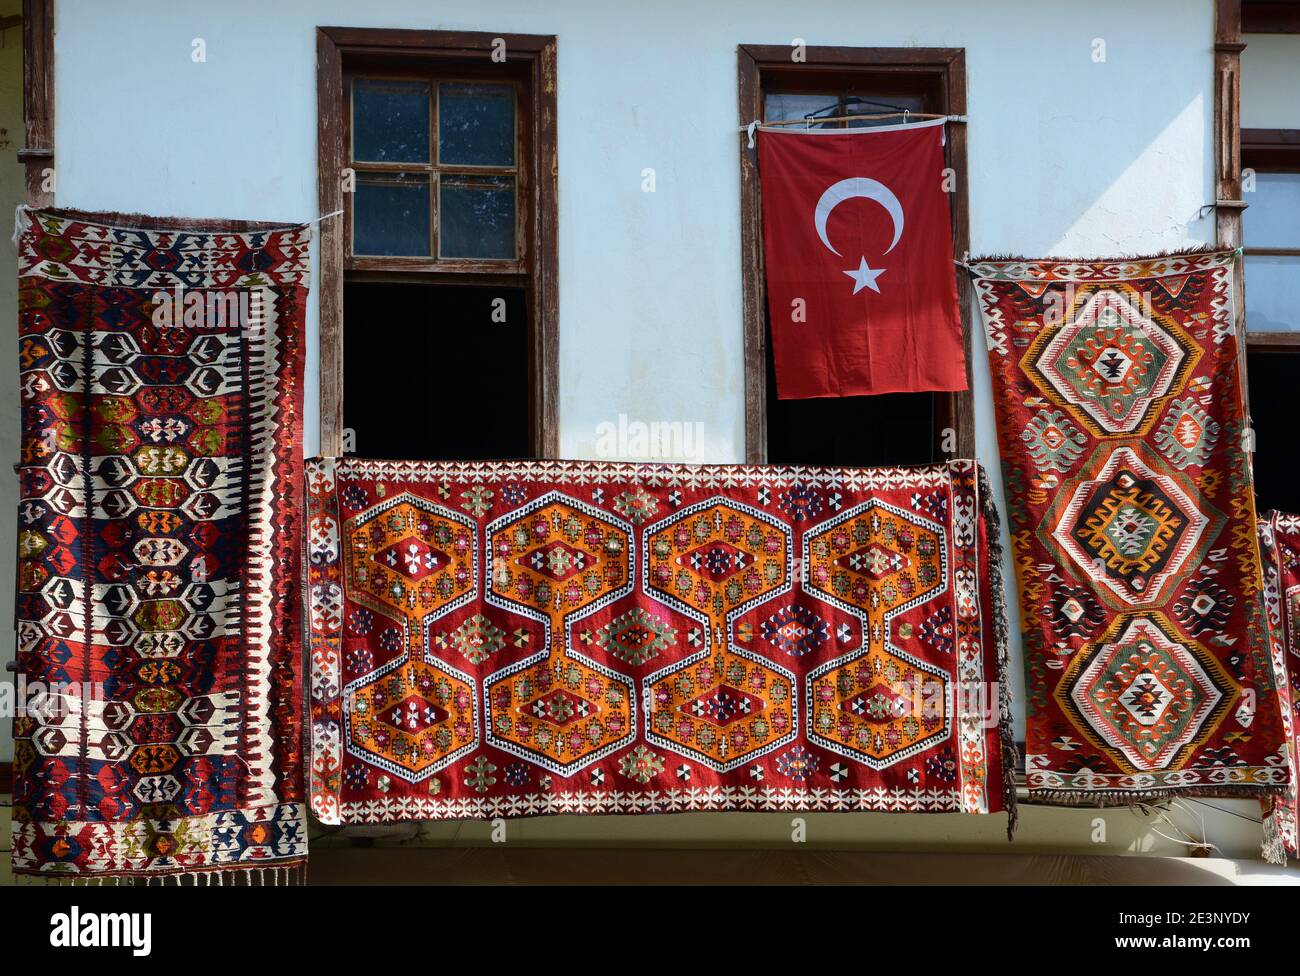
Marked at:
<point>521,638</point>
<point>1131,513</point>
<point>1279,544</point>
<point>159,533</point>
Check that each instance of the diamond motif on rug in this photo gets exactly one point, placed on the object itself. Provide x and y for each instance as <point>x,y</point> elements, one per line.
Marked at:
<point>1146,692</point>
<point>1187,435</point>
<point>795,630</point>
<point>478,638</point>
<point>1111,361</point>
<point>557,560</point>
<point>413,558</point>
<point>1130,527</point>
<point>875,561</point>
<point>636,637</point>
<point>722,705</point>
<point>716,561</point>
<point>1053,442</point>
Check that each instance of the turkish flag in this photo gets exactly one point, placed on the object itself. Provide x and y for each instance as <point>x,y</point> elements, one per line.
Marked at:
<point>861,288</point>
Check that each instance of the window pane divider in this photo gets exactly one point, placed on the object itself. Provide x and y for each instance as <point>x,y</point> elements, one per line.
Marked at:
<point>366,166</point>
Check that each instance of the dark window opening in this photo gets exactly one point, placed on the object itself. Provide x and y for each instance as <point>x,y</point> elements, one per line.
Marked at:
<point>859,431</point>
<point>1272,375</point>
<point>432,373</point>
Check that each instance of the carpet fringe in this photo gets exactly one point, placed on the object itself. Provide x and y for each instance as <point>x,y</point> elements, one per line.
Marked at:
<point>249,876</point>
<point>1001,637</point>
<point>1273,846</point>
<point>1103,799</point>
<point>1195,250</point>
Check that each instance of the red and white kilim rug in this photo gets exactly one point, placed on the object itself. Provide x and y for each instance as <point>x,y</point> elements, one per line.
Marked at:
<point>514,639</point>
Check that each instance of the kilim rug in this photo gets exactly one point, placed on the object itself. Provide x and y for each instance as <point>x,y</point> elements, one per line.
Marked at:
<point>1132,521</point>
<point>513,639</point>
<point>159,539</point>
<point>1279,544</point>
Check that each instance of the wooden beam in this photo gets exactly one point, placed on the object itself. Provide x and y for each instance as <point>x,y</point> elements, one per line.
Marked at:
<point>38,99</point>
<point>1227,159</point>
<point>545,260</point>
<point>754,300</point>
<point>330,156</point>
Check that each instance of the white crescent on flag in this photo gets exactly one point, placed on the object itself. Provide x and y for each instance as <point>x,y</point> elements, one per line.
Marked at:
<point>864,276</point>
<point>858,186</point>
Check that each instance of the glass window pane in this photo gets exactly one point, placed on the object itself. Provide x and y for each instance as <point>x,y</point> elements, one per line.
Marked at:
<point>391,215</point>
<point>390,121</point>
<point>779,107</point>
<point>1273,217</point>
<point>477,217</point>
<point>1272,284</point>
<point>476,125</point>
<point>864,105</point>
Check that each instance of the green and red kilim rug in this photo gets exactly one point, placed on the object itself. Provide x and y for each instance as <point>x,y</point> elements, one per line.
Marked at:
<point>514,639</point>
<point>159,533</point>
<point>1132,522</point>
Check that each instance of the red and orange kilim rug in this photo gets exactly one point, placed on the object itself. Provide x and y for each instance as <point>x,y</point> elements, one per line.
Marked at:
<point>514,639</point>
<point>1132,520</point>
<point>159,532</point>
<point>1279,544</point>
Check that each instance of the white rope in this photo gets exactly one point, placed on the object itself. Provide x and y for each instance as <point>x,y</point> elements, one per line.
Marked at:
<point>1186,839</point>
<point>749,128</point>
<point>18,222</point>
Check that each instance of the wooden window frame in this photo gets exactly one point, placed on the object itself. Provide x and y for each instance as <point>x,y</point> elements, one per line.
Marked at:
<point>1270,17</point>
<point>942,68</point>
<point>530,57</point>
<point>1228,203</point>
<point>36,156</point>
<point>1271,151</point>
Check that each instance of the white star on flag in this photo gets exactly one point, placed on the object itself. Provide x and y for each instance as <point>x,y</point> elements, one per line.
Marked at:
<point>864,277</point>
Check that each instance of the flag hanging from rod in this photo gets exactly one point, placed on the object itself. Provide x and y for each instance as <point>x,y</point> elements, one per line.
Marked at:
<point>861,288</point>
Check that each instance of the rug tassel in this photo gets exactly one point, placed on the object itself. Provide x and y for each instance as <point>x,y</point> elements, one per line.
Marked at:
<point>1273,849</point>
<point>18,222</point>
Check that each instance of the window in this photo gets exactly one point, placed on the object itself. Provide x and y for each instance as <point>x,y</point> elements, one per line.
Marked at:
<point>438,308</point>
<point>1271,229</point>
<point>832,83</point>
<point>1271,239</point>
<point>436,169</point>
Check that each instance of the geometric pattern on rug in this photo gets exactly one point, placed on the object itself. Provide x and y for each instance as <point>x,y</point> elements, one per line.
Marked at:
<point>1130,509</point>
<point>159,541</point>
<point>525,638</point>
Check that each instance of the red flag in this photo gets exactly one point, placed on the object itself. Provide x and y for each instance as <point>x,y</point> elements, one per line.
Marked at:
<point>861,286</point>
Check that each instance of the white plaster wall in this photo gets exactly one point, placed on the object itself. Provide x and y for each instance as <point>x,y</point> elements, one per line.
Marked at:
<point>1069,155</point>
<point>1270,81</point>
